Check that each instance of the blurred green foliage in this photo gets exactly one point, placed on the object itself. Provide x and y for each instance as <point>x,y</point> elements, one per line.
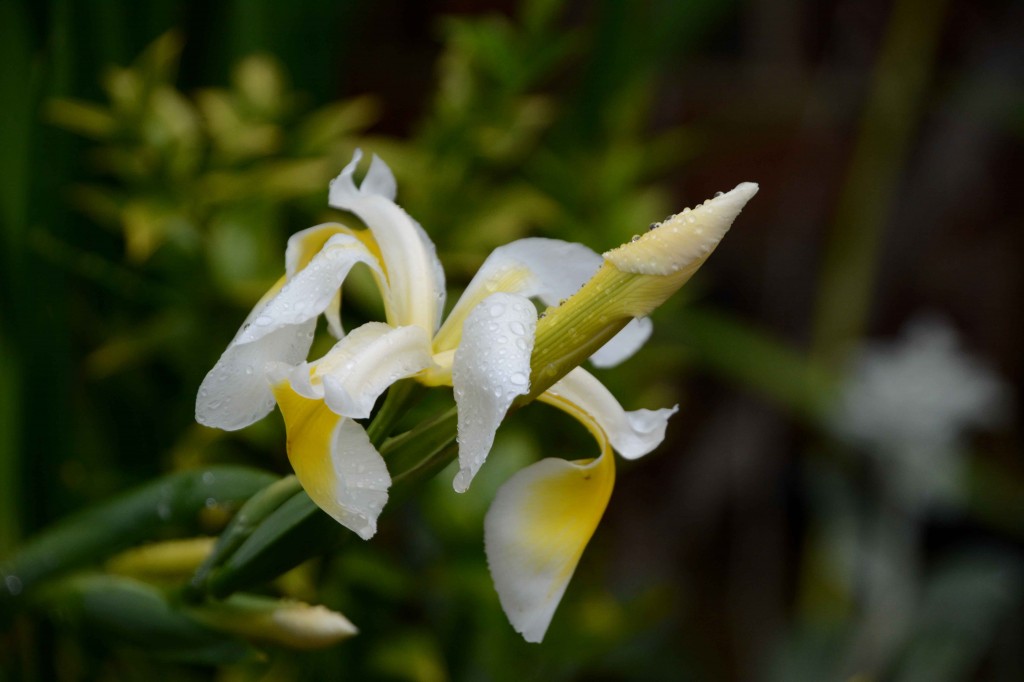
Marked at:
<point>540,123</point>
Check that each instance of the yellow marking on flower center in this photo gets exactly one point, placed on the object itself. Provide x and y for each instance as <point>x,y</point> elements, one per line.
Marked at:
<point>509,280</point>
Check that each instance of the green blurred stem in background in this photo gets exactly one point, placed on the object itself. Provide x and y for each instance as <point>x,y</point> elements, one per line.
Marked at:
<point>892,111</point>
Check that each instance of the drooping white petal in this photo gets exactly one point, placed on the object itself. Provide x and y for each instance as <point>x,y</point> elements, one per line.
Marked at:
<point>360,367</point>
<point>414,273</point>
<point>547,269</point>
<point>334,461</point>
<point>632,434</point>
<point>622,346</point>
<point>490,368</point>
<point>536,530</point>
<point>235,393</point>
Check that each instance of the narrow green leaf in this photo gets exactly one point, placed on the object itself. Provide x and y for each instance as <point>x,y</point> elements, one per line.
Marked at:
<point>292,533</point>
<point>102,531</point>
<point>132,614</point>
<point>248,518</point>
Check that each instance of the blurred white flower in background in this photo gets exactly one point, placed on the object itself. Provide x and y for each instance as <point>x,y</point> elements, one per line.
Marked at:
<point>911,403</point>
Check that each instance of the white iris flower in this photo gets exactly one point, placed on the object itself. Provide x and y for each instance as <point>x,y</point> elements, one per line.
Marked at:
<point>543,516</point>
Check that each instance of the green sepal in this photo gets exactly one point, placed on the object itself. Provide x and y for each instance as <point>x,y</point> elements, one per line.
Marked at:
<point>292,533</point>
<point>245,522</point>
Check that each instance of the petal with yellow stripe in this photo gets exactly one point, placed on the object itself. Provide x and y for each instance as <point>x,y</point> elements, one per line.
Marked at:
<point>334,461</point>
<point>535,532</point>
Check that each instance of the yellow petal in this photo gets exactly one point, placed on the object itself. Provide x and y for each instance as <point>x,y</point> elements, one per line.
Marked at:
<point>334,461</point>
<point>535,532</point>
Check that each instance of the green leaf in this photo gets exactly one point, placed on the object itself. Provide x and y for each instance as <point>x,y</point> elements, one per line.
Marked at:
<point>132,614</point>
<point>292,533</point>
<point>100,532</point>
<point>259,507</point>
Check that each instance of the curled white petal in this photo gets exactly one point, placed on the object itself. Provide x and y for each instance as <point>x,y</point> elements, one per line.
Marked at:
<point>536,530</point>
<point>360,367</point>
<point>312,289</point>
<point>622,346</point>
<point>547,269</point>
<point>305,244</point>
<point>633,434</point>
<point>415,278</point>
<point>490,368</point>
<point>334,461</point>
<point>235,393</point>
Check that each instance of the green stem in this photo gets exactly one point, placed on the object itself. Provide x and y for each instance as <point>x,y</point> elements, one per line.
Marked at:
<point>249,517</point>
<point>397,400</point>
<point>892,110</point>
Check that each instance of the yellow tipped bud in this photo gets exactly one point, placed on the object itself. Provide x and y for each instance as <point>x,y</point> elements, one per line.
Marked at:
<point>635,279</point>
<point>170,559</point>
<point>301,626</point>
<point>293,624</point>
<point>681,243</point>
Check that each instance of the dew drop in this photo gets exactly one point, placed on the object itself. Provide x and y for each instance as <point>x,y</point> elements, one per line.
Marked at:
<point>497,310</point>
<point>718,194</point>
<point>518,378</point>
<point>13,584</point>
<point>517,328</point>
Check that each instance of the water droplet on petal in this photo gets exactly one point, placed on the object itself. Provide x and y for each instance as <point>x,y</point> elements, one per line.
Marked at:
<point>518,378</point>
<point>497,310</point>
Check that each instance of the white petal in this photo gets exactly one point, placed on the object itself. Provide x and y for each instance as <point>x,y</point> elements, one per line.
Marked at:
<point>536,531</point>
<point>632,434</point>
<point>334,461</point>
<point>302,248</point>
<point>235,393</point>
<point>311,290</point>
<point>547,269</point>
<point>414,274</point>
<point>491,367</point>
<point>305,244</point>
<point>380,180</point>
<point>621,346</point>
<point>361,366</point>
